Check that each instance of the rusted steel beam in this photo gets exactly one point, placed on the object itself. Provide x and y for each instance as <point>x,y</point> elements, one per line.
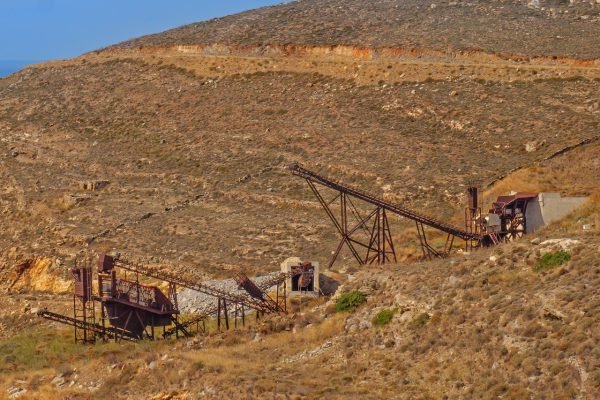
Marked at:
<point>380,247</point>
<point>257,293</point>
<point>96,328</point>
<point>313,177</point>
<point>232,298</point>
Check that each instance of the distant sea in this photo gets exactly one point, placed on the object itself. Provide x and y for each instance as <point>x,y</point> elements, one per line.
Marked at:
<point>12,66</point>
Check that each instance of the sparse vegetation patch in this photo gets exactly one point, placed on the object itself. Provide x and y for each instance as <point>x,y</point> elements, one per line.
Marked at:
<point>552,260</point>
<point>420,321</point>
<point>384,317</point>
<point>350,301</point>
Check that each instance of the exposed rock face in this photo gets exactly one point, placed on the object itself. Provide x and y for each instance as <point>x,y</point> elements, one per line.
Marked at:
<point>41,275</point>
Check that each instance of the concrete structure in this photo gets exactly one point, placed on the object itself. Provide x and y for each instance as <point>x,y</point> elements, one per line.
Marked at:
<point>549,207</point>
<point>303,276</point>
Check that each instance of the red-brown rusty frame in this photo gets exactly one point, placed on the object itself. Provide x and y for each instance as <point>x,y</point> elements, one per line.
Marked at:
<point>229,304</point>
<point>380,246</point>
<point>380,242</point>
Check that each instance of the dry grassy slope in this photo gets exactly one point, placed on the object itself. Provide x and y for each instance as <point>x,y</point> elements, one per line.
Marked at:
<point>555,28</point>
<point>576,172</point>
<point>496,328</point>
<point>198,165</point>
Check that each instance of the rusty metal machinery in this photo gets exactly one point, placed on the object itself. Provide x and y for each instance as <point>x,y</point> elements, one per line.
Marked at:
<point>303,277</point>
<point>262,303</point>
<point>95,328</point>
<point>132,306</point>
<point>221,313</point>
<point>131,310</point>
<point>378,246</point>
<point>256,293</point>
<point>511,210</point>
<point>83,305</point>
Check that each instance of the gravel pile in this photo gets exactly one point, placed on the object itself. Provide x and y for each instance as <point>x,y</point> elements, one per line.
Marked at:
<point>193,302</point>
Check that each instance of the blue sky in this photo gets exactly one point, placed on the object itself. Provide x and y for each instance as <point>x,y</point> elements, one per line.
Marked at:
<point>39,30</point>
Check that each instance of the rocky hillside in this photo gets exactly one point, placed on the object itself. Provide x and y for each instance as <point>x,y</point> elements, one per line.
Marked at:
<point>496,323</point>
<point>198,164</point>
<point>525,27</point>
<point>173,148</point>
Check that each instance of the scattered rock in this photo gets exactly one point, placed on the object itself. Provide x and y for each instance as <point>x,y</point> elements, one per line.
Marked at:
<point>93,185</point>
<point>72,200</point>
<point>15,392</point>
<point>365,324</point>
<point>557,244</point>
<point>553,315</point>
<point>311,353</point>
<point>170,396</point>
<point>535,145</point>
<point>244,178</point>
<point>58,381</point>
<point>194,343</point>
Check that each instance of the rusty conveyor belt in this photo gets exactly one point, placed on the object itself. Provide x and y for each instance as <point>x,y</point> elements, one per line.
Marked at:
<point>96,328</point>
<point>247,301</point>
<point>298,170</point>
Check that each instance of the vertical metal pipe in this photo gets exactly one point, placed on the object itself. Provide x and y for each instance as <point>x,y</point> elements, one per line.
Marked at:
<point>383,236</point>
<point>285,295</point>
<point>219,314</point>
<point>378,219</point>
<point>152,327</point>
<point>75,314</point>
<point>226,315</point>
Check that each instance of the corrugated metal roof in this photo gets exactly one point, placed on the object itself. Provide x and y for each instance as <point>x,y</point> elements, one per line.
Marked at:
<point>504,201</point>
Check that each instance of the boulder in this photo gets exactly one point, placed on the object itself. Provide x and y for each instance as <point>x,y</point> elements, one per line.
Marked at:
<point>535,145</point>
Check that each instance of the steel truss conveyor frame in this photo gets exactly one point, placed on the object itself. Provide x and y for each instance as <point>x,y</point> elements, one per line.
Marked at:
<point>263,304</point>
<point>220,310</point>
<point>379,248</point>
<point>254,297</point>
<point>108,331</point>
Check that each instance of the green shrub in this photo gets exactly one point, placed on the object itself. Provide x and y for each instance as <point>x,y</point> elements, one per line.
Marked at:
<point>420,321</point>
<point>552,260</point>
<point>349,301</point>
<point>384,317</point>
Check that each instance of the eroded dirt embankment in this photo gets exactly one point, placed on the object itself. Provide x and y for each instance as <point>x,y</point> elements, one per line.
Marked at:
<point>364,65</point>
<point>352,53</point>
